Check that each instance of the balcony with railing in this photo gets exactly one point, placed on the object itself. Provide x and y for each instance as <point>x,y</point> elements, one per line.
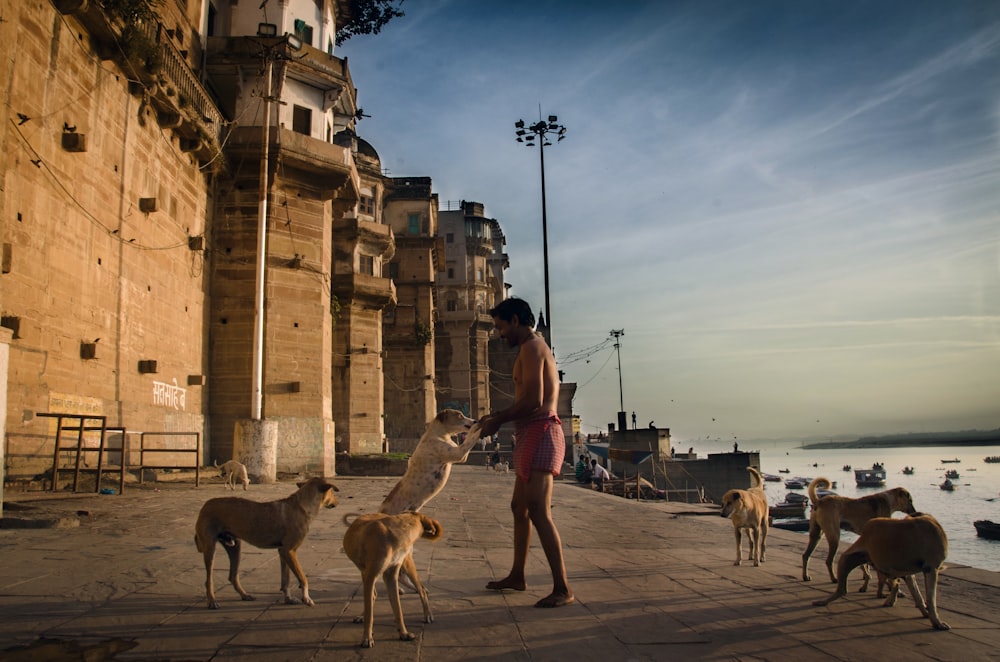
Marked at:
<point>158,71</point>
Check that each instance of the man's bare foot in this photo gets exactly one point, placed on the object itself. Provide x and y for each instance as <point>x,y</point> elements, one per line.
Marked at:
<point>555,599</point>
<point>506,582</point>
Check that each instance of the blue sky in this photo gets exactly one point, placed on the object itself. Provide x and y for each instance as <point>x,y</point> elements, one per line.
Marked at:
<point>791,208</point>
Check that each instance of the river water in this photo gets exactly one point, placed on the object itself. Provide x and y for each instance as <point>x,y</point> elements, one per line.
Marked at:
<point>976,495</point>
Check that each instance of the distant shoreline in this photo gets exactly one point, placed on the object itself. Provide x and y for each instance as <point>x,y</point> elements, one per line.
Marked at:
<point>977,438</point>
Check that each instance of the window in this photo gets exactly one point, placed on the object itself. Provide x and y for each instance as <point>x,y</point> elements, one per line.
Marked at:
<point>304,32</point>
<point>329,46</point>
<point>302,120</point>
<point>394,270</point>
<point>449,238</point>
<point>413,223</point>
<point>366,205</point>
<point>366,265</point>
<point>479,275</point>
<point>451,272</point>
<point>452,305</point>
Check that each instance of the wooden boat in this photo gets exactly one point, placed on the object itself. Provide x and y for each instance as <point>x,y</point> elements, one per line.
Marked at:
<point>908,471</point>
<point>847,467</point>
<point>951,473</point>
<point>784,471</point>
<point>796,524</point>
<point>795,497</point>
<point>955,461</point>
<point>992,459</point>
<point>797,483</point>
<point>787,510</point>
<point>874,477</point>
<point>947,486</point>
<point>987,529</point>
<point>771,478</point>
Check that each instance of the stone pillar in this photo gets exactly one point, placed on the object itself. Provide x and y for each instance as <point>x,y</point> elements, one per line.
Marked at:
<point>255,444</point>
<point>5,336</point>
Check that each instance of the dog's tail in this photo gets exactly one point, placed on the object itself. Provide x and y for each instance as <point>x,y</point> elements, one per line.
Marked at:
<point>756,476</point>
<point>350,517</point>
<point>432,528</point>
<point>816,484</point>
<point>215,463</point>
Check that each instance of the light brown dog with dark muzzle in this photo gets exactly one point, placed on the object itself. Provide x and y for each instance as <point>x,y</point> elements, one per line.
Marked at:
<point>828,512</point>
<point>899,548</point>
<point>281,524</point>
<point>379,544</point>
<point>748,510</point>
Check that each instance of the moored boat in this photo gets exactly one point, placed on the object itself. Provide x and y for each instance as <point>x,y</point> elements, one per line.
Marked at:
<point>797,483</point>
<point>795,524</point>
<point>787,510</point>
<point>771,478</point>
<point>955,461</point>
<point>987,529</point>
<point>874,477</point>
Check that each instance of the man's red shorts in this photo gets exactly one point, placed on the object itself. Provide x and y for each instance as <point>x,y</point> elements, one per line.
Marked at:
<point>539,446</point>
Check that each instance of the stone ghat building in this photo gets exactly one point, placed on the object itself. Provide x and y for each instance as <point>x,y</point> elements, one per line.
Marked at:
<point>140,306</point>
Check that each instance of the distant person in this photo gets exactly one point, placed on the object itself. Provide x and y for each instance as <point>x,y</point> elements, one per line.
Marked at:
<point>582,471</point>
<point>539,447</point>
<point>599,475</point>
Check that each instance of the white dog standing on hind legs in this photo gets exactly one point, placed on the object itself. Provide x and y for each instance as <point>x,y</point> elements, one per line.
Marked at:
<point>427,472</point>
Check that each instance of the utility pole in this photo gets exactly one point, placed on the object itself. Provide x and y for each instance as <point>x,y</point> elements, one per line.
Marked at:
<point>617,334</point>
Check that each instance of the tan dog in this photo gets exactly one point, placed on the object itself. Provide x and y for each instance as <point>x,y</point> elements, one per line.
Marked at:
<point>233,471</point>
<point>430,465</point>
<point>379,545</point>
<point>899,548</point>
<point>828,513</point>
<point>502,467</point>
<point>748,510</point>
<point>281,524</point>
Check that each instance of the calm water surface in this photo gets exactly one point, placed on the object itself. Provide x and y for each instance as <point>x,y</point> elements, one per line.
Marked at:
<point>976,495</point>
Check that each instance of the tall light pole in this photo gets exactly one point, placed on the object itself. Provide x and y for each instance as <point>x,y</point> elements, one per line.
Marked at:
<point>527,134</point>
<point>617,334</point>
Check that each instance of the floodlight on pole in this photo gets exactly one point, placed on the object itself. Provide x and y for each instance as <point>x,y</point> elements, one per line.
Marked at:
<point>526,134</point>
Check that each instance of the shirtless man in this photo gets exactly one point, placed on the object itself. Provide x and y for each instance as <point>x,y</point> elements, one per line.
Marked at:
<point>539,450</point>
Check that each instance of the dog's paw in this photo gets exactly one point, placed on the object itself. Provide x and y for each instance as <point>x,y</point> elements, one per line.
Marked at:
<point>213,604</point>
<point>738,562</point>
<point>308,602</point>
<point>367,643</point>
<point>246,597</point>
<point>407,636</point>
<point>941,625</point>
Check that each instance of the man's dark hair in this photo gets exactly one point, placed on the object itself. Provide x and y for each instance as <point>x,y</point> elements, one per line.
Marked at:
<point>508,308</point>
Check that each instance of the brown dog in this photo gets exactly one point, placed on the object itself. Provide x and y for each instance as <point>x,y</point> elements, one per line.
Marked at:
<point>828,513</point>
<point>281,524</point>
<point>748,510</point>
<point>899,548</point>
<point>379,544</point>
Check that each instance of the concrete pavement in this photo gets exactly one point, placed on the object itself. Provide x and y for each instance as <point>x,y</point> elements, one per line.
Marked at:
<point>653,581</point>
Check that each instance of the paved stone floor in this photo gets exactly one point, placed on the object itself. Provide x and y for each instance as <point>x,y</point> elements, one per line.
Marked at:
<point>653,581</point>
